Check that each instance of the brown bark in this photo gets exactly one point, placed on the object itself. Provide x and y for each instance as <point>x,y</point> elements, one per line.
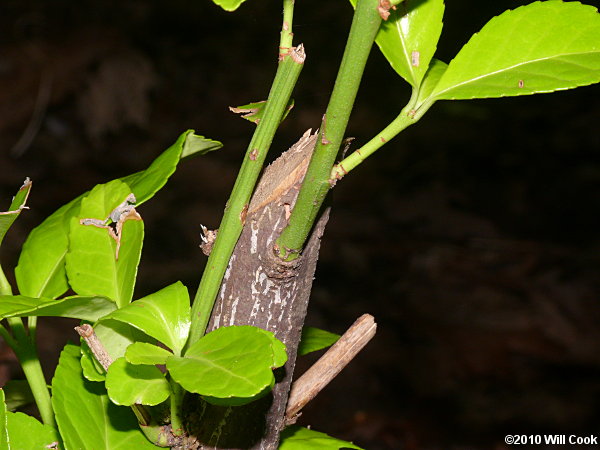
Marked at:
<point>259,289</point>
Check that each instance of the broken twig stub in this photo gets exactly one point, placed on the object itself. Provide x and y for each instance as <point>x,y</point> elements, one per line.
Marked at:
<point>89,336</point>
<point>329,365</point>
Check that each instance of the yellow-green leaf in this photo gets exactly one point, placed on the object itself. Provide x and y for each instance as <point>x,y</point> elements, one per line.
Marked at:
<point>229,5</point>
<point>408,38</point>
<point>86,418</point>
<point>86,308</point>
<point>299,438</point>
<point>41,269</point>
<point>94,265</point>
<point>128,384</point>
<point>540,47</point>
<point>26,432</point>
<point>233,364</point>
<point>164,315</point>
<point>314,339</point>
<point>16,206</point>
<point>145,353</point>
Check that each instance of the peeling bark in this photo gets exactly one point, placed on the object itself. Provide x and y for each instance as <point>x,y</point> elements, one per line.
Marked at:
<point>261,290</point>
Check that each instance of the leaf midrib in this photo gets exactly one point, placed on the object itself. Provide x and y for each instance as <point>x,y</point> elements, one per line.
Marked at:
<point>504,69</point>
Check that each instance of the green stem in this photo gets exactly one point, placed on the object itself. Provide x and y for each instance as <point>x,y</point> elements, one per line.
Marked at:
<point>28,358</point>
<point>286,39</point>
<point>32,327</point>
<point>4,333</point>
<point>406,118</point>
<point>234,216</point>
<point>142,415</point>
<point>176,408</point>
<point>23,344</point>
<point>365,25</point>
<point>159,435</point>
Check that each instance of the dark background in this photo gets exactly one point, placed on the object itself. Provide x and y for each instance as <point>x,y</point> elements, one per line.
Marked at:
<point>472,237</point>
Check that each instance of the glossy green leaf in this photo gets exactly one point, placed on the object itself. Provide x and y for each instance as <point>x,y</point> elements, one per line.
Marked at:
<point>129,384</point>
<point>164,315</point>
<point>91,262</point>
<point>86,418</point>
<point>144,353</point>
<point>314,339</point>
<point>229,5</point>
<point>86,308</point>
<point>230,362</point>
<point>41,268</point>
<point>541,47</point>
<point>238,401</point>
<point>195,145</point>
<point>26,432</point>
<point>17,394</point>
<point>299,438</point>
<point>408,38</point>
<point>3,423</point>
<point>255,111</point>
<point>279,350</point>
<point>16,206</point>
<point>437,68</point>
<point>117,336</point>
<point>148,182</point>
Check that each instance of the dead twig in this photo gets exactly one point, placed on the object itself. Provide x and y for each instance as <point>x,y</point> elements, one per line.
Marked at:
<point>329,365</point>
<point>89,336</point>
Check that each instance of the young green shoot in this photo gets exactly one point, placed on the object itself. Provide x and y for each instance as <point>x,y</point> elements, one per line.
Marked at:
<point>365,24</point>
<point>407,117</point>
<point>290,65</point>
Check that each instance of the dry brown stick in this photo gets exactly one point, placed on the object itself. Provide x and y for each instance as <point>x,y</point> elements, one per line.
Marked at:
<point>329,365</point>
<point>89,336</point>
